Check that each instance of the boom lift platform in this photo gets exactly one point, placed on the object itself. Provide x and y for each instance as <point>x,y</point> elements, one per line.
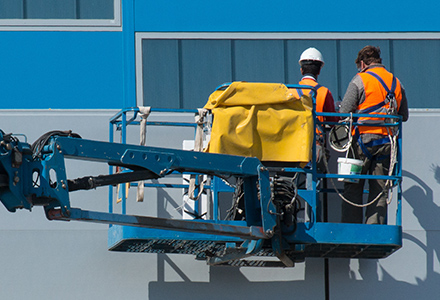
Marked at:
<point>269,233</point>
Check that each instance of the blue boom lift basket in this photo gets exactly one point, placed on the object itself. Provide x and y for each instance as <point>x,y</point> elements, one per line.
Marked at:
<point>35,175</point>
<point>312,236</point>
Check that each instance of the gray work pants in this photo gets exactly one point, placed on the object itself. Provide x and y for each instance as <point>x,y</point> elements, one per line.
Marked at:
<point>375,213</point>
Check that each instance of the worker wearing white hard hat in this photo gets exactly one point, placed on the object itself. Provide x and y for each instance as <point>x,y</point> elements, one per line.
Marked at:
<point>311,54</point>
<point>311,62</point>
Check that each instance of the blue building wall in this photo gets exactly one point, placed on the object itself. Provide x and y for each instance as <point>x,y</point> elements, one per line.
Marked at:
<point>286,16</point>
<point>73,67</point>
<point>60,70</point>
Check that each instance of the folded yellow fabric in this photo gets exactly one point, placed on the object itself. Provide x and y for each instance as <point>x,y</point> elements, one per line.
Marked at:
<point>262,120</point>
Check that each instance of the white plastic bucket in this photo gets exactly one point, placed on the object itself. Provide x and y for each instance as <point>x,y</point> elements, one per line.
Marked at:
<point>349,166</point>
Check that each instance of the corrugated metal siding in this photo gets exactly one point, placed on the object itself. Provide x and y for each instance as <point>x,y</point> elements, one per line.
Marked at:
<point>182,73</point>
<point>56,9</point>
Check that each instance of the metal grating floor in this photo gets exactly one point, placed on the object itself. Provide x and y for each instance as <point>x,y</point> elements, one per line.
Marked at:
<point>202,249</point>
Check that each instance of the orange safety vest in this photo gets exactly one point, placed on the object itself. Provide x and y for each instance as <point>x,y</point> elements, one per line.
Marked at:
<point>321,94</point>
<point>376,81</point>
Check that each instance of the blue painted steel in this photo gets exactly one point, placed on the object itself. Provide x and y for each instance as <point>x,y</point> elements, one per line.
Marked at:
<point>118,232</point>
<point>267,208</point>
<point>110,171</point>
<point>161,159</point>
<point>13,198</point>
<point>32,182</point>
<point>350,234</point>
<point>119,117</point>
<point>192,226</point>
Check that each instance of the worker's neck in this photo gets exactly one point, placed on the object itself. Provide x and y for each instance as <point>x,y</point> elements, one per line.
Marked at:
<point>310,76</point>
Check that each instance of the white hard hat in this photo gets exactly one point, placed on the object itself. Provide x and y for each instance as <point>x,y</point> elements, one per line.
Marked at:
<point>311,54</point>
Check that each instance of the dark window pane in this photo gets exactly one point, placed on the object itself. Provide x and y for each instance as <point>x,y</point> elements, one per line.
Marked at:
<point>205,65</point>
<point>259,60</point>
<point>95,9</point>
<point>50,9</point>
<point>57,9</point>
<point>11,9</point>
<point>160,66</point>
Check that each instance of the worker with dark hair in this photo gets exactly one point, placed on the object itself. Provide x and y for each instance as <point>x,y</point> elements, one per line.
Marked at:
<point>311,61</point>
<point>373,90</point>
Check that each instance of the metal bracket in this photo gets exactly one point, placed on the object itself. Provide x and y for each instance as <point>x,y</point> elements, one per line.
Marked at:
<point>246,249</point>
<point>268,209</point>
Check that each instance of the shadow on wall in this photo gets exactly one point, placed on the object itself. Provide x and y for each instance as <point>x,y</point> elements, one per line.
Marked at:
<point>420,197</point>
<point>231,283</point>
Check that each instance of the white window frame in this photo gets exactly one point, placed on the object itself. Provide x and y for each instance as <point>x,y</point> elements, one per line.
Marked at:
<point>114,24</point>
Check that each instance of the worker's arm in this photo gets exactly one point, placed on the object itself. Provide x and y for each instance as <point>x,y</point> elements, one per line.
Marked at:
<point>354,95</point>
<point>403,110</point>
<point>329,106</point>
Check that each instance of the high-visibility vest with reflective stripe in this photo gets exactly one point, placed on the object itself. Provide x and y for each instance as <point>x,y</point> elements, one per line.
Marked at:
<point>376,98</point>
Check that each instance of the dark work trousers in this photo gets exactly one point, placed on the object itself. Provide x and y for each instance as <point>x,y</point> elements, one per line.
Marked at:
<point>379,164</point>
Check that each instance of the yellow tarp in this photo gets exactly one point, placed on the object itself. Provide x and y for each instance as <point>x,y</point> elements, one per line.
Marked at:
<point>262,120</point>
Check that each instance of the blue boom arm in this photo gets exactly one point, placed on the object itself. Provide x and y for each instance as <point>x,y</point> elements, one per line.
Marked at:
<point>28,181</point>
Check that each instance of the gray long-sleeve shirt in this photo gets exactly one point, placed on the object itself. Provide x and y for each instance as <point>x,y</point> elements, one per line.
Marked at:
<point>355,95</point>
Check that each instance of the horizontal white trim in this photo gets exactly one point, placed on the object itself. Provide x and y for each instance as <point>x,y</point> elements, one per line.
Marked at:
<point>60,28</point>
<point>427,112</point>
<point>291,35</point>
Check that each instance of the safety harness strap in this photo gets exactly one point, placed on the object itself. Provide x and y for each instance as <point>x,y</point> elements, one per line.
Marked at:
<point>144,112</point>
<point>317,87</point>
<point>393,84</point>
<point>390,93</point>
<point>373,143</point>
